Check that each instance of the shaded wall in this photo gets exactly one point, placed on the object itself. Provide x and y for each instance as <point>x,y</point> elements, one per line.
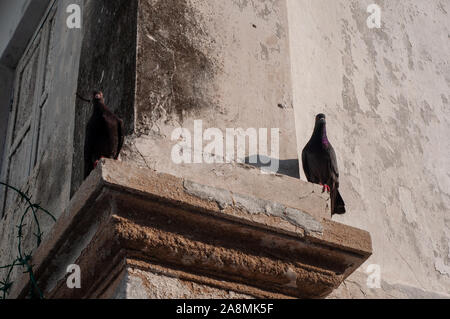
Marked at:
<point>49,180</point>
<point>107,63</point>
<point>6,78</point>
<point>19,21</point>
<point>8,23</point>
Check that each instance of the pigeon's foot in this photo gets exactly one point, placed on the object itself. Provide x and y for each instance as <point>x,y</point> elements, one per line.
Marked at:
<point>96,162</point>
<point>326,187</point>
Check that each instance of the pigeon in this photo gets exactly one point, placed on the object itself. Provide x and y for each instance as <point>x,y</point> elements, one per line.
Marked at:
<point>104,134</point>
<point>320,165</point>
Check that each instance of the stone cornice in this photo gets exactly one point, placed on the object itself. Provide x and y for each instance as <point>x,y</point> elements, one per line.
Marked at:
<point>126,215</point>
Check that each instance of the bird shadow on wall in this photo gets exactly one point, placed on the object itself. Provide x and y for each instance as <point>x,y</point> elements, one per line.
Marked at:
<point>288,167</point>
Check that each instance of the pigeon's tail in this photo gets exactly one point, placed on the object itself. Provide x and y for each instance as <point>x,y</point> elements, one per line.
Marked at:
<point>337,203</point>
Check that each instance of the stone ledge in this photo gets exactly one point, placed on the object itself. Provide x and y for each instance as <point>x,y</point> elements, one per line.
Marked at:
<point>236,177</point>
<point>124,213</point>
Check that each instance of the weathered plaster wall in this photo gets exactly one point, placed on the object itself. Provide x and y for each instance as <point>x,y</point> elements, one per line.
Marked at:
<point>49,181</point>
<point>223,62</point>
<point>386,94</point>
<point>227,64</point>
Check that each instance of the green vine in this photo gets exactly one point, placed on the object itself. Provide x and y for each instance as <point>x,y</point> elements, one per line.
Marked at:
<point>24,259</point>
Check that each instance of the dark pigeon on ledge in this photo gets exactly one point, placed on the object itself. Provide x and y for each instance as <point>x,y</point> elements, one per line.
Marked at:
<point>104,134</point>
<point>320,164</point>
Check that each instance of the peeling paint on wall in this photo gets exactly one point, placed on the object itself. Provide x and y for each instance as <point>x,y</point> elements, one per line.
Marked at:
<point>385,92</point>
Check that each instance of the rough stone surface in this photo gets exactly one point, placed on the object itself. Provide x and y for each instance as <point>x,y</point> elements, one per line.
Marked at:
<point>386,96</point>
<point>239,178</point>
<point>140,284</point>
<point>254,205</point>
<point>122,212</point>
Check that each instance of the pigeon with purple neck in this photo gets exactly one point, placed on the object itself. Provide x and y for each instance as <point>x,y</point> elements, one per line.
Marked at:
<point>320,164</point>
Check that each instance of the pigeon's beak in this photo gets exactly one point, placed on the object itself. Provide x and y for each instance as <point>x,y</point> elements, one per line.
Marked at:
<point>322,121</point>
